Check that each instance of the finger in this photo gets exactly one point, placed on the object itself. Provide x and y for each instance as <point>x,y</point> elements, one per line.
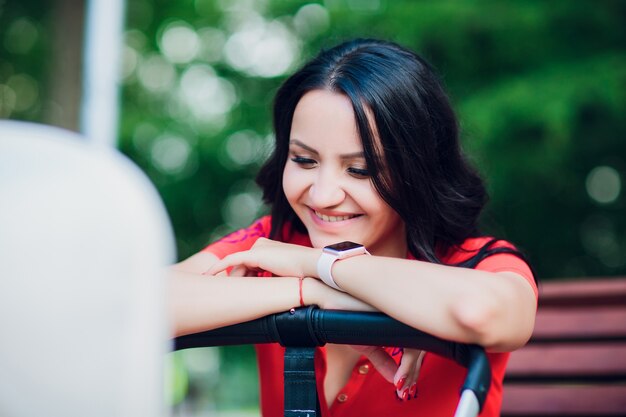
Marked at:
<point>381,360</point>
<point>416,371</point>
<point>418,368</point>
<point>239,258</point>
<point>404,369</point>
<point>218,266</point>
<point>409,356</point>
<point>239,271</point>
<point>408,372</point>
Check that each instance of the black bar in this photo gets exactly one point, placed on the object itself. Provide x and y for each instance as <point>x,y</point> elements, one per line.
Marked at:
<point>311,327</point>
<point>300,389</point>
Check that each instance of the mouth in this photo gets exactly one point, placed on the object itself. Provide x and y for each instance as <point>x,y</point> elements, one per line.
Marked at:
<point>332,219</point>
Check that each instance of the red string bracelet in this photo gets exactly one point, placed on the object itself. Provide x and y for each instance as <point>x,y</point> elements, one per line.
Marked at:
<point>300,291</point>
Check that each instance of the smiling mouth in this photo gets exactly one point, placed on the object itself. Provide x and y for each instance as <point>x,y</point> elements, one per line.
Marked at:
<point>335,218</point>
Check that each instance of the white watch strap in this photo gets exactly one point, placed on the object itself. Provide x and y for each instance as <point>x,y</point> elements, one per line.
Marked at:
<point>324,268</point>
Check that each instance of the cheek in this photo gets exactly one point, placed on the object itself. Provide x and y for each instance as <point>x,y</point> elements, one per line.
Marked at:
<point>368,198</point>
<point>383,211</point>
<point>291,184</point>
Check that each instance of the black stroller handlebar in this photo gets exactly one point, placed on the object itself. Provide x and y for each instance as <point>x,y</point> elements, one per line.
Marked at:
<point>311,327</point>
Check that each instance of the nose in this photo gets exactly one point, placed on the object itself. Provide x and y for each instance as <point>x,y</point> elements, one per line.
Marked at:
<point>326,191</point>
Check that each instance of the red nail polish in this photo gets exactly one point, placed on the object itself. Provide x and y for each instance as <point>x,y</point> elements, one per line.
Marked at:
<point>405,395</point>
<point>400,383</point>
<point>413,390</point>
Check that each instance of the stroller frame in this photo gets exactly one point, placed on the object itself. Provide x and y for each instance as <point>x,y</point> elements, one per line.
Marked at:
<point>301,330</point>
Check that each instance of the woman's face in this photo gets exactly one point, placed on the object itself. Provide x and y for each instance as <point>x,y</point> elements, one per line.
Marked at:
<point>326,180</point>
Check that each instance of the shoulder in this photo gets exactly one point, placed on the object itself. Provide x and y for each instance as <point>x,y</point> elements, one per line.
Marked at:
<point>241,239</point>
<point>472,246</point>
<point>494,255</point>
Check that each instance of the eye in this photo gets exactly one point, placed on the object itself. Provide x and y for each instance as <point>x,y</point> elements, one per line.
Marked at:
<point>359,172</point>
<point>303,162</point>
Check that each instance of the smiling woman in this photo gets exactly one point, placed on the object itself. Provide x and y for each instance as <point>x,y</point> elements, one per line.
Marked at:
<point>326,180</point>
<point>367,151</point>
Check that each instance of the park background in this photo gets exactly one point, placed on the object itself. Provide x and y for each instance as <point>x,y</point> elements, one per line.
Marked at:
<point>539,87</point>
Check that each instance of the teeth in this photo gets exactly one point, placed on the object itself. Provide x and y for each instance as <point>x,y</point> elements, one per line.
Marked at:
<point>333,218</point>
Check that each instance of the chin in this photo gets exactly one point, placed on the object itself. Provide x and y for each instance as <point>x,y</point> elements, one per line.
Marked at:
<point>319,241</point>
<point>322,241</point>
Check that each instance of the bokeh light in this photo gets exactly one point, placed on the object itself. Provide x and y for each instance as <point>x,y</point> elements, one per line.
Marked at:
<point>212,42</point>
<point>171,154</point>
<point>143,136</point>
<point>179,42</point>
<point>156,74</point>
<point>261,48</point>
<point>21,35</point>
<point>243,148</point>
<point>603,184</point>
<point>241,5</point>
<point>207,96</point>
<point>130,59</point>
<point>8,98</point>
<point>311,20</point>
<point>242,205</point>
<point>241,209</point>
<point>26,90</point>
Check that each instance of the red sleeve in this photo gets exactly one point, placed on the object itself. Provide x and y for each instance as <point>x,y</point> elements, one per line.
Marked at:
<point>505,262</point>
<point>240,240</point>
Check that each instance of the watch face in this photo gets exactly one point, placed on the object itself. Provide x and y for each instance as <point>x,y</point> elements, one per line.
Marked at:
<point>344,249</point>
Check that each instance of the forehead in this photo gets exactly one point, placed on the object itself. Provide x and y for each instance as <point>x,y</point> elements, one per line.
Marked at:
<point>327,117</point>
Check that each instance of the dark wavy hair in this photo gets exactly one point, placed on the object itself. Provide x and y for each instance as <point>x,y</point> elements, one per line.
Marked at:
<point>416,164</point>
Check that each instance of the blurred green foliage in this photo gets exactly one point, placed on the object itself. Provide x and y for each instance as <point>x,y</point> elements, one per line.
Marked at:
<point>540,88</point>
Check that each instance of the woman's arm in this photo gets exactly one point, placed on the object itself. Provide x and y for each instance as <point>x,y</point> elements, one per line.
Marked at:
<point>495,310</point>
<point>199,302</point>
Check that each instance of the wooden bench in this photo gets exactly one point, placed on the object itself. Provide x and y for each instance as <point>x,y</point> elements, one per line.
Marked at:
<point>575,362</point>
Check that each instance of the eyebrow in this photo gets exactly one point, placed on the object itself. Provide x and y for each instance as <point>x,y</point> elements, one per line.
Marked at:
<point>313,151</point>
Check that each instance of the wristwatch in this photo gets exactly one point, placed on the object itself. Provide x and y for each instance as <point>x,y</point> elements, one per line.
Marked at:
<point>332,253</point>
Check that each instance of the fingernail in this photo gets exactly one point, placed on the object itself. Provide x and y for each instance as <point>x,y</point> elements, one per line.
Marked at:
<point>413,391</point>
<point>396,395</point>
<point>405,395</point>
<point>400,383</point>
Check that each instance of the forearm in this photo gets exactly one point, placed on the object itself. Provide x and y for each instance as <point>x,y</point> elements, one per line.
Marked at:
<point>470,306</point>
<point>465,305</point>
<point>199,302</point>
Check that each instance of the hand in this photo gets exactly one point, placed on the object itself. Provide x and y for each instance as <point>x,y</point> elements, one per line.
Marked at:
<point>316,292</point>
<point>404,376</point>
<point>278,258</point>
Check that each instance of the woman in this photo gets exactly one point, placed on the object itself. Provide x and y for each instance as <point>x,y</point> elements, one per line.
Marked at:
<point>367,151</point>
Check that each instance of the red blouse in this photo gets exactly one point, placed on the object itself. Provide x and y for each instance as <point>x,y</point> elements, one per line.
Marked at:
<point>367,393</point>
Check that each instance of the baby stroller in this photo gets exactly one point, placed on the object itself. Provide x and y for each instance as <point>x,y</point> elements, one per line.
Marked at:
<point>301,330</point>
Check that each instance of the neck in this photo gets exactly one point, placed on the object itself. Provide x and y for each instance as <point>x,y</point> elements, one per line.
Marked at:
<point>393,249</point>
